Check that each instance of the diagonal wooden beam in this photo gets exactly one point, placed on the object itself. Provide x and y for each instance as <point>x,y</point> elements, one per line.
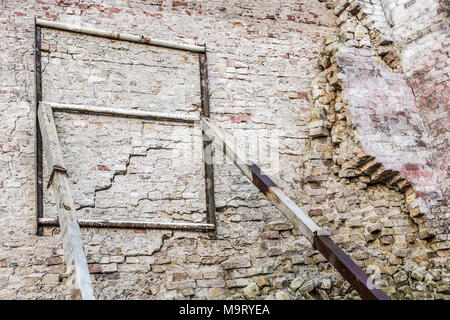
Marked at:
<point>296,215</point>
<point>318,237</point>
<point>79,280</point>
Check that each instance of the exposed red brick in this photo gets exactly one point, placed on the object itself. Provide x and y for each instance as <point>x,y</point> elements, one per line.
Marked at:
<point>302,95</point>
<point>240,118</point>
<point>94,268</point>
<point>51,261</point>
<point>103,168</point>
<point>51,16</point>
<point>114,10</point>
<point>315,212</point>
<point>179,4</point>
<point>411,167</point>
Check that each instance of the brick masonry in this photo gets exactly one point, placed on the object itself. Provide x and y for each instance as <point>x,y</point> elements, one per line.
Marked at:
<point>264,78</point>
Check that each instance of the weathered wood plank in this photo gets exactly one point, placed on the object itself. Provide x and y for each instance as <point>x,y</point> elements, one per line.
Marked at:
<point>79,280</point>
<point>301,220</point>
<point>52,148</point>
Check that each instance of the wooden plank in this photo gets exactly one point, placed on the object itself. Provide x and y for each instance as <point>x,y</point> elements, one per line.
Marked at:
<point>348,269</point>
<point>79,280</point>
<point>294,214</point>
<point>318,237</point>
<point>50,139</point>
<point>127,113</point>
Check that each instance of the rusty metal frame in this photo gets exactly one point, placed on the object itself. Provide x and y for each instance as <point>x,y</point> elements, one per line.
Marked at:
<point>349,270</point>
<point>208,150</point>
<point>210,226</point>
<point>39,187</point>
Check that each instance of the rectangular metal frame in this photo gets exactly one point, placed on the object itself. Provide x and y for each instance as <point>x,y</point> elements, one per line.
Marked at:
<point>210,226</point>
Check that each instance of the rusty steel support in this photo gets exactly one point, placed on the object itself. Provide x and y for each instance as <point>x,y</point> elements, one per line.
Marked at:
<point>208,150</point>
<point>349,270</point>
<point>39,188</point>
<point>318,237</point>
<point>124,113</point>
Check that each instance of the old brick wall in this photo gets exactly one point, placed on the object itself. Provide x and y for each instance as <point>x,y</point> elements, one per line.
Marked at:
<point>425,48</point>
<point>372,168</point>
<point>261,60</point>
<point>265,86</point>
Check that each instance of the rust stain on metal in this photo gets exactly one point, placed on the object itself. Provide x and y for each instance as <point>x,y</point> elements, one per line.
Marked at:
<point>348,269</point>
<point>132,224</point>
<point>261,181</point>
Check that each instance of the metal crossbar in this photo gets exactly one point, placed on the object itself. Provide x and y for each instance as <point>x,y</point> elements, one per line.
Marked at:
<point>47,141</point>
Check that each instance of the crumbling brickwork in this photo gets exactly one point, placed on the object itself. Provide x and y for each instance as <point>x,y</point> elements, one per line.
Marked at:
<point>264,83</point>
<point>425,47</point>
<point>367,135</point>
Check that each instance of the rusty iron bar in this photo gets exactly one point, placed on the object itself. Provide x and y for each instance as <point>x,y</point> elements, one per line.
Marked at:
<point>39,177</point>
<point>318,237</point>
<point>208,150</point>
<point>349,270</point>
<point>125,113</point>
<point>119,36</point>
<point>126,224</point>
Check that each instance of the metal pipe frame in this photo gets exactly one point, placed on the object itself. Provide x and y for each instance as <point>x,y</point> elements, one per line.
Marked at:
<point>124,113</point>
<point>128,224</point>
<point>119,36</point>
<point>39,187</point>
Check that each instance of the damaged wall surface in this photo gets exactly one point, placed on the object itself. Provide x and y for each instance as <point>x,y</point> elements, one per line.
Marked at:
<point>328,97</point>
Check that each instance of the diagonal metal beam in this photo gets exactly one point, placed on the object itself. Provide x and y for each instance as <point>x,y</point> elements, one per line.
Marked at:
<point>318,237</point>
<point>349,270</point>
<point>296,215</point>
<point>118,36</point>
<point>79,280</point>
